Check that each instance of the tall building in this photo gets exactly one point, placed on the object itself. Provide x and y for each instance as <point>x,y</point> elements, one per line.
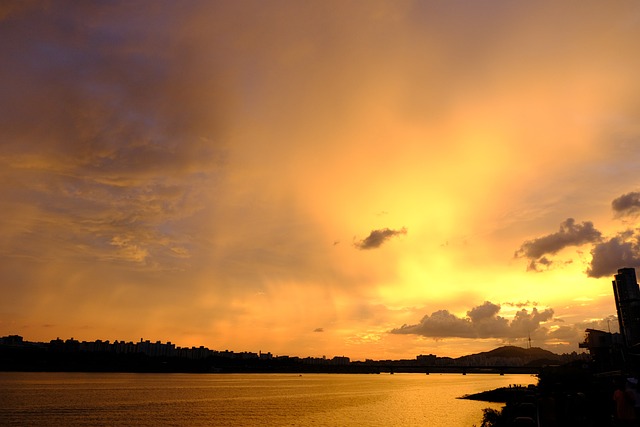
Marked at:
<point>627,296</point>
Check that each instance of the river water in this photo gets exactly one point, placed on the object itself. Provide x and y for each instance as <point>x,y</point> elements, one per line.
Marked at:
<point>107,399</point>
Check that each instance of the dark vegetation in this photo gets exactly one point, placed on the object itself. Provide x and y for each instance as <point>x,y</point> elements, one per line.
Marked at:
<point>569,395</point>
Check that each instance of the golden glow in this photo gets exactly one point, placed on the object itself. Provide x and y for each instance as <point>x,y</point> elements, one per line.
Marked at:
<point>216,196</point>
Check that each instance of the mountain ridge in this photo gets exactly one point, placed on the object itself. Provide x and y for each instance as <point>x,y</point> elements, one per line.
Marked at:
<point>512,356</point>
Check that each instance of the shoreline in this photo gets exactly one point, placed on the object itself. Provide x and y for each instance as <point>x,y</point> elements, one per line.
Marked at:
<point>503,394</point>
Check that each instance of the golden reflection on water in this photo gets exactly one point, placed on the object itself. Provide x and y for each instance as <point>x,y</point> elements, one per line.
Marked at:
<point>246,400</point>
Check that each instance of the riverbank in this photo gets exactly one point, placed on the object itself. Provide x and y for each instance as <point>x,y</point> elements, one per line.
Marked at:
<point>503,394</point>
<point>568,395</point>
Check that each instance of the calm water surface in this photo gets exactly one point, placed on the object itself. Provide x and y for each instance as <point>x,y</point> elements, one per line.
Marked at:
<point>97,399</point>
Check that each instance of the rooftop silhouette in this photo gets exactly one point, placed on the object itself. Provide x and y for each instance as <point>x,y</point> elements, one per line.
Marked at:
<point>147,356</point>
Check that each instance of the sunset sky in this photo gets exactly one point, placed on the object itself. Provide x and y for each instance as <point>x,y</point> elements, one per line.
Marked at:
<point>374,179</point>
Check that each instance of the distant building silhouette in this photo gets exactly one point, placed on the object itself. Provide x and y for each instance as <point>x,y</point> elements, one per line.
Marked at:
<point>627,296</point>
<point>605,348</point>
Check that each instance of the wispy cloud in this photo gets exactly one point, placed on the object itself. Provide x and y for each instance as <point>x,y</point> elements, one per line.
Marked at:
<point>125,146</point>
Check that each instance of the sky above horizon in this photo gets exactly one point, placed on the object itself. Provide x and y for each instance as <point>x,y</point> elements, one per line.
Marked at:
<point>374,179</point>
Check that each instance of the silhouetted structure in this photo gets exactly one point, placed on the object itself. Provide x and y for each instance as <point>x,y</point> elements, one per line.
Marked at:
<point>72,355</point>
<point>605,348</point>
<point>619,351</point>
<point>627,296</point>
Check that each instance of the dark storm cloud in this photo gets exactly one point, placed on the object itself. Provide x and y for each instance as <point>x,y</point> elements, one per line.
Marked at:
<point>570,234</point>
<point>617,252</point>
<point>377,237</point>
<point>13,8</point>
<point>482,321</point>
<point>608,254</point>
<point>622,250</point>
<point>108,130</point>
<point>627,204</point>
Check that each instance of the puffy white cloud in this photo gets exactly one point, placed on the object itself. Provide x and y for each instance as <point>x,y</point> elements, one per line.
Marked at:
<point>481,321</point>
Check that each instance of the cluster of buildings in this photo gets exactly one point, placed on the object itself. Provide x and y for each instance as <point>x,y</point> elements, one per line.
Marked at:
<point>615,350</point>
<point>158,349</point>
<point>153,349</point>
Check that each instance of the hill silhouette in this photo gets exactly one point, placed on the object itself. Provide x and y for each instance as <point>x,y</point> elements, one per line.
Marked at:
<point>511,356</point>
